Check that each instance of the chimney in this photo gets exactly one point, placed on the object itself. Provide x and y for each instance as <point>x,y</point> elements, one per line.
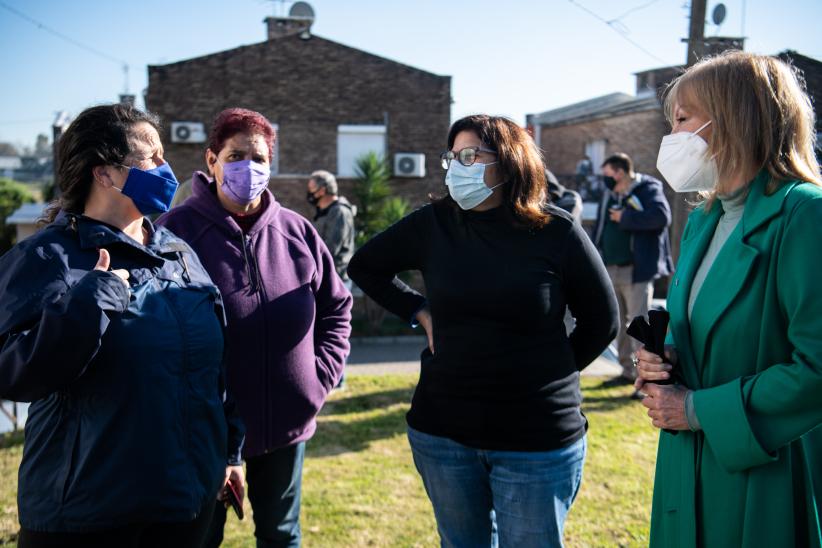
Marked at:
<point>286,26</point>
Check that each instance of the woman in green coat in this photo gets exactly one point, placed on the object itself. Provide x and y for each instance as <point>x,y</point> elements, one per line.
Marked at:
<point>740,456</point>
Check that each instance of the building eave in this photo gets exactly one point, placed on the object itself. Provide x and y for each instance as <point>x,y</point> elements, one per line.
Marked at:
<point>636,104</point>
<point>268,43</point>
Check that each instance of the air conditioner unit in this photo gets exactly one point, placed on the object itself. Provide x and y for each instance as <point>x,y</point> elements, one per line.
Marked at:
<point>408,164</point>
<point>188,132</point>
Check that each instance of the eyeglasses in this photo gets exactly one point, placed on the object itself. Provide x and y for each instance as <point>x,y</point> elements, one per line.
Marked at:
<point>466,156</point>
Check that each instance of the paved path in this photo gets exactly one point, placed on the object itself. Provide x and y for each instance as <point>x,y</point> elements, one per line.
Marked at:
<point>381,355</point>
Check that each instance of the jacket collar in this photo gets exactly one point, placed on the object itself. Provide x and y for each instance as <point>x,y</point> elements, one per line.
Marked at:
<point>94,234</point>
<point>204,199</point>
<point>761,207</point>
<point>733,265</point>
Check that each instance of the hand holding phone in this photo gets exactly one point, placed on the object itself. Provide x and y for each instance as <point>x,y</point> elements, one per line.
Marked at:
<point>233,488</point>
<point>233,497</point>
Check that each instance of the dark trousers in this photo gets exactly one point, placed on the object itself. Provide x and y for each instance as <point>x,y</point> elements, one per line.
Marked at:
<point>274,488</point>
<point>149,535</point>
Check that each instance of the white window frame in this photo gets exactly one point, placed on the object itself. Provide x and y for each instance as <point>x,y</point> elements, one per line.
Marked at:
<point>346,160</point>
<point>595,150</point>
<point>275,154</point>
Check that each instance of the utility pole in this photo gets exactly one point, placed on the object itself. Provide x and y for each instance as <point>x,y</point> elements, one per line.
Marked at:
<point>696,49</point>
<point>696,32</point>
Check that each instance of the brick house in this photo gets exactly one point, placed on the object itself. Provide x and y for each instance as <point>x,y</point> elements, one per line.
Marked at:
<point>329,103</point>
<point>619,122</point>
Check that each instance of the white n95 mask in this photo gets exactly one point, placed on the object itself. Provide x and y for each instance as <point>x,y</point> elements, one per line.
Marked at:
<point>682,160</point>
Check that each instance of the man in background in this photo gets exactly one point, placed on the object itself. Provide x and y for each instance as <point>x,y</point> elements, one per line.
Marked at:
<point>631,233</point>
<point>334,220</point>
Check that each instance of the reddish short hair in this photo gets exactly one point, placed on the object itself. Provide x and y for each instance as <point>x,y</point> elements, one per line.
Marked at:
<point>232,121</point>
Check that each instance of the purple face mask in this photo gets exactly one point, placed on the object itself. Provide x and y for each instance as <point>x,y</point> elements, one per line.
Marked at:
<point>245,180</point>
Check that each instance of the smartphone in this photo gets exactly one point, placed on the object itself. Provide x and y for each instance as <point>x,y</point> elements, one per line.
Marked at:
<point>234,499</point>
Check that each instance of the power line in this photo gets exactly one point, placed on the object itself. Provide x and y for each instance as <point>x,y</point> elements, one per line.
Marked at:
<point>123,64</point>
<point>632,10</point>
<point>623,33</point>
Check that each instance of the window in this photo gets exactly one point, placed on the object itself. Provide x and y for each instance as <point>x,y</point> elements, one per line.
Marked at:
<point>355,141</point>
<point>595,150</point>
<point>275,158</point>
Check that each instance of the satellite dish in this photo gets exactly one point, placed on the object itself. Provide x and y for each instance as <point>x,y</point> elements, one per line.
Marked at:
<point>718,15</point>
<point>301,10</point>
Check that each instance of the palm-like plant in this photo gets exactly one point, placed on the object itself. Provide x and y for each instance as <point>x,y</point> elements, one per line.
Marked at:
<point>371,190</point>
<point>377,211</point>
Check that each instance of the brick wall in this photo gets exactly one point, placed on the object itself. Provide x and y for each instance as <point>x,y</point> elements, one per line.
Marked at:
<point>290,192</point>
<point>638,134</point>
<point>308,88</point>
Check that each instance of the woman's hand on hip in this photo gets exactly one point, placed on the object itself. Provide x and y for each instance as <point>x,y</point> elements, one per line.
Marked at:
<point>650,367</point>
<point>427,323</point>
<point>666,405</point>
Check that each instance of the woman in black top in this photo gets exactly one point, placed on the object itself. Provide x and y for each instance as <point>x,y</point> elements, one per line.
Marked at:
<point>495,423</point>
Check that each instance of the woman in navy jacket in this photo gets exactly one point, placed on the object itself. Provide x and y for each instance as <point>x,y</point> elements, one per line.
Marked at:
<point>113,330</point>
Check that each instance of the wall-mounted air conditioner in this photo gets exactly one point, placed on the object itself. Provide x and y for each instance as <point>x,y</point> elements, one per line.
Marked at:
<point>408,164</point>
<point>188,132</point>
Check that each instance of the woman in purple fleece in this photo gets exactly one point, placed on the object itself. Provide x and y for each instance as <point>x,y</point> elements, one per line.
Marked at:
<point>289,315</point>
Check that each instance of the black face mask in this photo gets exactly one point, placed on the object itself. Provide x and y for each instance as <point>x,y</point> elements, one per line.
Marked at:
<point>610,182</point>
<point>312,199</point>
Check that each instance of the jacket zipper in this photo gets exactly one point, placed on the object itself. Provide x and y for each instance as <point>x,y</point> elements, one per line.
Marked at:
<point>184,381</point>
<point>266,363</point>
<point>257,287</point>
<point>245,240</point>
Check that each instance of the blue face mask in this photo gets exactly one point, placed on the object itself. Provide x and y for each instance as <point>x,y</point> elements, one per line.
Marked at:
<point>466,184</point>
<point>151,190</point>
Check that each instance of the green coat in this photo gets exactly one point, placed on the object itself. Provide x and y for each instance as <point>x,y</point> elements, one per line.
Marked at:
<point>753,355</point>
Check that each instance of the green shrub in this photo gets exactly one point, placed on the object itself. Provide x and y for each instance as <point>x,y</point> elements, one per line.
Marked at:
<point>12,196</point>
<point>377,209</point>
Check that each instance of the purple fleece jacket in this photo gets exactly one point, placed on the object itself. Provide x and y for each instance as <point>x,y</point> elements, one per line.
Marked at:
<point>289,314</point>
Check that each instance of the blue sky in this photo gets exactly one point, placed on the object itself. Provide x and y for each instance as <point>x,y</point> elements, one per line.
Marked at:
<point>507,57</point>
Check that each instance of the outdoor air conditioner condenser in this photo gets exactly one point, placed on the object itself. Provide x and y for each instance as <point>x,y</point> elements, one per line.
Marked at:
<point>409,164</point>
<point>188,132</point>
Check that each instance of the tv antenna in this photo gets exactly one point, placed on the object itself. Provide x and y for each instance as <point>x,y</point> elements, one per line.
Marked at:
<point>279,7</point>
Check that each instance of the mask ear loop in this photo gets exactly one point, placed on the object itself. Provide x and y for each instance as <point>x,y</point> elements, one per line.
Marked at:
<point>706,124</point>
<point>703,126</point>
<point>115,187</point>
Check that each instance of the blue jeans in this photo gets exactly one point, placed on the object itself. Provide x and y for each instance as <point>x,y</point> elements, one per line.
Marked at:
<point>274,490</point>
<point>497,498</point>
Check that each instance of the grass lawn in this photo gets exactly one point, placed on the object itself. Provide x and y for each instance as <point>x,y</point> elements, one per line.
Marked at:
<point>360,487</point>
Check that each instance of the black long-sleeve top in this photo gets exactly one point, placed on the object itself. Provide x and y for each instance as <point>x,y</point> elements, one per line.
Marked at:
<point>504,375</point>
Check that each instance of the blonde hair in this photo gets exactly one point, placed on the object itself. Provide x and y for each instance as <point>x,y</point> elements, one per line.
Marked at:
<point>760,115</point>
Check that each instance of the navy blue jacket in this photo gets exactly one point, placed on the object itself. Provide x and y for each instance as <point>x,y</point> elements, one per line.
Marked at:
<point>128,421</point>
<point>648,226</point>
